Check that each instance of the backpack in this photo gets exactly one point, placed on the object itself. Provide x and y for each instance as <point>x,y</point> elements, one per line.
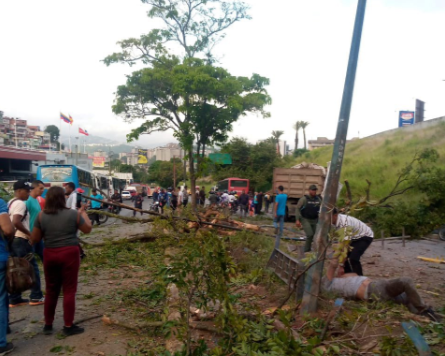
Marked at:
<point>19,274</point>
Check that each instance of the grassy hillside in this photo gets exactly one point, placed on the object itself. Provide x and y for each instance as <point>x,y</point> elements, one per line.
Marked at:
<point>380,158</point>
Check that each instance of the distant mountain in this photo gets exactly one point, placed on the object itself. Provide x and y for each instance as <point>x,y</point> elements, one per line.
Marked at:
<point>90,140</point>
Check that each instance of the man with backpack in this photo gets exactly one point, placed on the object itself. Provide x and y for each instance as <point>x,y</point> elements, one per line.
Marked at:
<point>21,247</point>
<point>163,200</point>
<point>6,234</point>
<point>306,215</point>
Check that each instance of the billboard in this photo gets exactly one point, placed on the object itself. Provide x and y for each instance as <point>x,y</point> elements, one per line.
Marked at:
<point>98,162</point>
<point>406,118</point>
<point>142,156</point>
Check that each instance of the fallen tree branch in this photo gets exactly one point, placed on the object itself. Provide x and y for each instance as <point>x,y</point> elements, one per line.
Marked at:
<point>134,238</point>
<point>116,216</point>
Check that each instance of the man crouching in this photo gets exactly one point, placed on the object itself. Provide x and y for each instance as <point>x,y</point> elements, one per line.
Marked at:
<point>400,290</point>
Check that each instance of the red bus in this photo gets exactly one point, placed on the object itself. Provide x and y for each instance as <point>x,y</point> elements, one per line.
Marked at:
<point>234,184</point>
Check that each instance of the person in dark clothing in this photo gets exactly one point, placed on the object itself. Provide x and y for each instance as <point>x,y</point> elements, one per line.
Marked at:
<point>185,198</point>
<point>202,196</point>
<point>174,200</point>
<point>243,203</point>
<point>138,199</point>
<point>116,198</point>
<point>155,195</point>
<point>306,215</point>
<point>163,199</point>
<point>259,205</point>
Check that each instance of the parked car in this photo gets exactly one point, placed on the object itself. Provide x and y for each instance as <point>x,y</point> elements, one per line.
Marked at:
<point>126,194</point>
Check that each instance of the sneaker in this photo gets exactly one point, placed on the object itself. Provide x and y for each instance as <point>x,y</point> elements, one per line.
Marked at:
<point>429,313</point>
<point>34,302</point>
<point>6,349</point>
<point>47,330</point>
<point>73,330</point>
<point>18,302</point>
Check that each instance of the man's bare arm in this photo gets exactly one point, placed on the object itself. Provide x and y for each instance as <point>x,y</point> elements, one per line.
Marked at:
<point>17,221</point>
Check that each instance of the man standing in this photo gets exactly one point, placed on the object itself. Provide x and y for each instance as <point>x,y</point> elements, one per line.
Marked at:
<point>6,234</point>
<point>180,197</point>
<point>280,210</point>
<point>96,205</point>
<point>259,199</point>
<point>34,208</point>
<point>138,200</point>
<point>116,198</point>
<point>70,191</point>
<point>185,199</point>
<point>307,212</point>
<point>19,216</point>
<point>244,204</point>
<point>267,202</point>
<point>202,196</point>
<point>155,195</point>
<point>361,237</point>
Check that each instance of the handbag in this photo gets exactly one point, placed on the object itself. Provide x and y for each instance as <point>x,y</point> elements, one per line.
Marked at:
<point>20,274</point>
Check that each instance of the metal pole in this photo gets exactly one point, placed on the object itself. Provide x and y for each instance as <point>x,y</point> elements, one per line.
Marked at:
<point>313,278</point>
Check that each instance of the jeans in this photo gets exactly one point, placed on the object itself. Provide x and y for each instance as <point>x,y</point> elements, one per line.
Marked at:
<point>309,227</point>
<point>400,290</point>
<point>359,246</point>
<point>20,248</point>
<point>38,249</point>
<point>4,305</point>
<point>279,219</point>
<point>61,271</point>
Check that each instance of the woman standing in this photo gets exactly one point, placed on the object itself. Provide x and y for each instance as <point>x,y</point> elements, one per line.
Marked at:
<point>58,226</point>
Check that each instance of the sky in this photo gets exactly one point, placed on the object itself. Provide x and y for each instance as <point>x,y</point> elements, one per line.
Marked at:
<point>51,52</point>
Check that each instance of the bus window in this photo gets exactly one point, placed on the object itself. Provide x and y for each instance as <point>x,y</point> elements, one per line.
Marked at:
<point>238,183</point>
<point>223,185</point>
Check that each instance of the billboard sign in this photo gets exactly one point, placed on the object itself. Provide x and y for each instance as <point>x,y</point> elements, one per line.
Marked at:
<point>406,118</point>
<point>98,162</point>
<point>142,156</point>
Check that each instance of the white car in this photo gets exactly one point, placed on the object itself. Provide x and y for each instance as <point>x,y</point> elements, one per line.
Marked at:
<point>126,194</point>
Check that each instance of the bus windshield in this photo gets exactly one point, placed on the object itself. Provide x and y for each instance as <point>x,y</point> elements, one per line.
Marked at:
<point>56,174</point>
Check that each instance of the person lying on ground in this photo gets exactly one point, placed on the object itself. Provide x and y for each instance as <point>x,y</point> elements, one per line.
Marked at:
<point>400,290</point>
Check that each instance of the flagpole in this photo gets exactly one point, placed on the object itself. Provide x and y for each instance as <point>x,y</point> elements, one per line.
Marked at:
<point>70,137</point>
<point>60,132</point>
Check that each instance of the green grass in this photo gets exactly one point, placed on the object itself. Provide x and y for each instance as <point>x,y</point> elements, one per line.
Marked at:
<point>380,159</point>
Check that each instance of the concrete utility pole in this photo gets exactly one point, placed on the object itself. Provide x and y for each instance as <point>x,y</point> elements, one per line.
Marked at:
<point>313,277</point>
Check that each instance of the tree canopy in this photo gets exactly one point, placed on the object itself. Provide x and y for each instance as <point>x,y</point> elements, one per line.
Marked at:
<point>161,172</point>
<point>54,132</point>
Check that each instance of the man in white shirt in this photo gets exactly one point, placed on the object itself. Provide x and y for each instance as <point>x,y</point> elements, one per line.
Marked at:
<point>19,216</point>
<point>180,197</point>
<point>361,237</point>
<point>70,190</point>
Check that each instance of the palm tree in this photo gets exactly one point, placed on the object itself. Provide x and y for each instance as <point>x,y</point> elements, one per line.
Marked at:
<point>303,125</point>
<point>297,128</point>
<point>276,137</point>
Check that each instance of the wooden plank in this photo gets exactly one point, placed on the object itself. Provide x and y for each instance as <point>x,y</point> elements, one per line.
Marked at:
<point>417,338</point>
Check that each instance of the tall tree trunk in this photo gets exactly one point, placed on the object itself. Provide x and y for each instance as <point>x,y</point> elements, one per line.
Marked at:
<point>278,147</point>
<point>304,137</point>
<point>296,139</point>
<point>192,177</point>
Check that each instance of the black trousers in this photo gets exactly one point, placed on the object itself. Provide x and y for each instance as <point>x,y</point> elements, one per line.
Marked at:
<point>357,249</point>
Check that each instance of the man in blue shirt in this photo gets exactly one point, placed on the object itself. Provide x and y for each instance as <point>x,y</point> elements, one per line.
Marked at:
<point>96,205</point>
<point>6,231</point>
<point>280,210</point>
<point>34,209</point>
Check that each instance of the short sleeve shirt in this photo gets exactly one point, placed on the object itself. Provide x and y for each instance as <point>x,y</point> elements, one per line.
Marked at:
<point>96,204</point>
<point>281,200</point>
<point>18,207</point>
<point>3,251</point>
<point>33,210</point>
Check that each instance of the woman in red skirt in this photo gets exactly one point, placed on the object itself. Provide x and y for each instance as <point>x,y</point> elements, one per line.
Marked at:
<point>58,226</point>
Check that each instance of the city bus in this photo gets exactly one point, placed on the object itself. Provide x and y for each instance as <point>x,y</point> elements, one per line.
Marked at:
<point>237,185</point>
<point>59,175</point>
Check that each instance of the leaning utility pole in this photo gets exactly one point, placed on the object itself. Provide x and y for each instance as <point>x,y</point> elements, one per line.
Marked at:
<point>313,277</point>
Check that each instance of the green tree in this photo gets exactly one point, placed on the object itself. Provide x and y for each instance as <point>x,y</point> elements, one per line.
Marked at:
<point>199,102</point>
<point>303,125</point>
<point>54,134</point>
<point>179,92</point>
<point>162,172</point>
<point>297,128</point>
<point>276,139</point>
<point>195,25</point>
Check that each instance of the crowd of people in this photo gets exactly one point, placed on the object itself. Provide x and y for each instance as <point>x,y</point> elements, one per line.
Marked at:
<point>48,228</point>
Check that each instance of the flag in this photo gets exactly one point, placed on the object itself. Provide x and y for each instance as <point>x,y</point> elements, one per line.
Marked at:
<point>71,120</point>
<point>83,132</point>
<point>65,118</point>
